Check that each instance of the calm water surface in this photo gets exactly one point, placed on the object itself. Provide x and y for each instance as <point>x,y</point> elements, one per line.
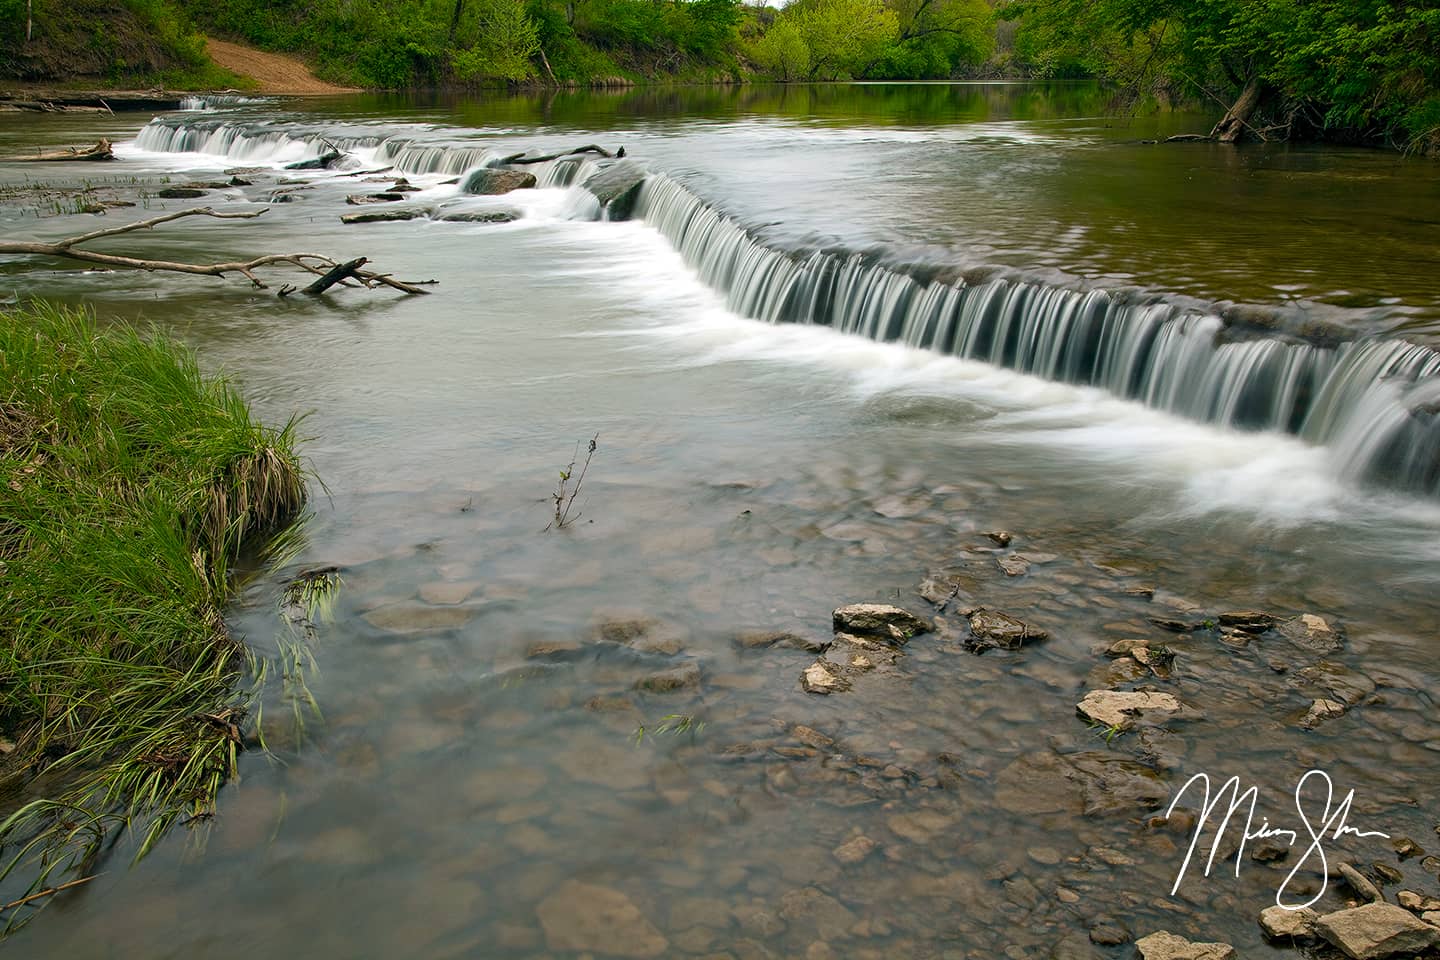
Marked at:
<point>474,784</point>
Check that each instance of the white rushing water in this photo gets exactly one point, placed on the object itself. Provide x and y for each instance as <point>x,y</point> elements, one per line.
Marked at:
<point>1370,404</point>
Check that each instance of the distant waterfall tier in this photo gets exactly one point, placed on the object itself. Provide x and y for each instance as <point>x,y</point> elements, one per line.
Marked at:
<point>282,143</point>
<point>1375,403</point>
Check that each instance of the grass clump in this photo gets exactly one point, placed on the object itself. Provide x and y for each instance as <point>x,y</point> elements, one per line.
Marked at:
<point>129,486</point>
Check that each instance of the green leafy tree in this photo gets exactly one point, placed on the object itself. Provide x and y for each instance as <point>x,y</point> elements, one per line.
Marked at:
<point>843,36</point>
<point>781,52</point>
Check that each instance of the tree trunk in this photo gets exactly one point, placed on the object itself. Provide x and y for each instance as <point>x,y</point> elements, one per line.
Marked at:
<point>29,20</point>
<point>1236,120</point>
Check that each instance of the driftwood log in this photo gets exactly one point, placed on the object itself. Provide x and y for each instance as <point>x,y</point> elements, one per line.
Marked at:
<point>521,159</point>
<point>319,264</point>
<point>100,152</point>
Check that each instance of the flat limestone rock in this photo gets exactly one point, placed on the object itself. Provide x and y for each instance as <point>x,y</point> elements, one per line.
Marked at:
<point>1168,946</point>
<point>823,677</point>
<point>1291,926</point>
<point>1377,930</point>
<point>584,917</point>
<point>1118,708</point>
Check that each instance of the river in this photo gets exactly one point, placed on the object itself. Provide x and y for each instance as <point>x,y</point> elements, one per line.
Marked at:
<point>851,330</point>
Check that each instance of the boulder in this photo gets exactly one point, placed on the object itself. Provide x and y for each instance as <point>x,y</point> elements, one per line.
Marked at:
<point>617,187</point>
<point>1120,709</point>
<point>583,917</point>
<point>1168,946</point>
<point>180,193</point>
<point>880,620</point>
<point>1377,930</point>
<point>491,181</point>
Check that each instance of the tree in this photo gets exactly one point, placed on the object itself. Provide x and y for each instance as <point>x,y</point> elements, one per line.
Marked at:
<point>843,37</point>
<point>781,51</point>
<point>496,39</point>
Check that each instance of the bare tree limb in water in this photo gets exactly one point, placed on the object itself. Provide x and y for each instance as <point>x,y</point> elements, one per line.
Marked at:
<point>315,263</point>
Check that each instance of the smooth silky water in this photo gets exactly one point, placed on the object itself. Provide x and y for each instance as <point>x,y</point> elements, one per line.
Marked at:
<point>753,475</point>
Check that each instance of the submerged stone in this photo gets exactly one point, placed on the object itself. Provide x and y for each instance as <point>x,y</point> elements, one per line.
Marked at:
<point>584,917</point>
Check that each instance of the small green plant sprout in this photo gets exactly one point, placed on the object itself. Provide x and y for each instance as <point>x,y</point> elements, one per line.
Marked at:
<point>674,724</point>
<point>1107,733</point>
<point>567,491</point>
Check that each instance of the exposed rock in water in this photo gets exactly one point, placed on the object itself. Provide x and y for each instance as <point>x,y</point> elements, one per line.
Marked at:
<point>1119,709</point>
<point>991,628</point>
<point>823,677</point>
<point>1377,930</point>
<point>760,639</point>
<point>1417,903</point>
<point>1360,883</point>
<point>881,620</point>
<point>584,917</point>
<point>1291,926</point>
<point>180,193</point>
<point>480,216</point>
<point>1168,946</point>
<point>1000,538</point>
<point>379,216</point>
<point>491,181</point>
<point>617,187</point>
<point>1311,632</point>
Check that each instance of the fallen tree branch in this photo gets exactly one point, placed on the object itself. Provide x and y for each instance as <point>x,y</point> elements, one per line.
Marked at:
<point>101,151</point>
<point>521,159</point>
<point>312,262</point>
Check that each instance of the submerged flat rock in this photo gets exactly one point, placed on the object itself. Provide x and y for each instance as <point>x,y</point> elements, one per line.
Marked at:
<point>585,917</point>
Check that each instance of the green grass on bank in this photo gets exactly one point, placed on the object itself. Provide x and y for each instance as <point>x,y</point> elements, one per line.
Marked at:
<point>129,484</point>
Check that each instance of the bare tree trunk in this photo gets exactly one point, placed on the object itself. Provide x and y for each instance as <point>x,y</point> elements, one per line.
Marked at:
<point>1237,119</point>
<point>29,20</point>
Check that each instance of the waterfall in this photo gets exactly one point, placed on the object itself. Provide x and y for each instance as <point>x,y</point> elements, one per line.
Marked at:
<point>1374,403</point>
